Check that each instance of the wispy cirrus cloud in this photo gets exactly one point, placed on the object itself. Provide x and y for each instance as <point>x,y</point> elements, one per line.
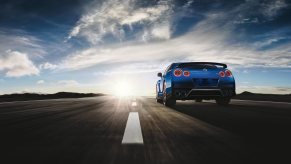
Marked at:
<point>117,18</point>
<point>185,49</point>
<point>19,40</point>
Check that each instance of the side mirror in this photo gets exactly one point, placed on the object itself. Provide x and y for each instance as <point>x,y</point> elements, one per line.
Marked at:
<point>160,74</point>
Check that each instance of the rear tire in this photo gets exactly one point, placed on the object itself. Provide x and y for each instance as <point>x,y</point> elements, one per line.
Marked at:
<point>170,102</point>
<point>223,101</point>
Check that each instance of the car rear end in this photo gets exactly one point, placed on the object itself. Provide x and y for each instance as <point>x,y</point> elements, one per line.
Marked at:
<point>202,80</point>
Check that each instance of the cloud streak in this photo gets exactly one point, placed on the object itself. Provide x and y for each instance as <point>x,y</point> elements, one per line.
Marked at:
<point>67,83</point>
<point>18,40</point>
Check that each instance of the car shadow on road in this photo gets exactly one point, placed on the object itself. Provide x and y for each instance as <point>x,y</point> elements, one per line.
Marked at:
<point>264,130</point>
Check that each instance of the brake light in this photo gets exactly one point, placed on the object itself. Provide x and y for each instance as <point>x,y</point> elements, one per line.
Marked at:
<point>178,72</point>
<point>186,73</point>
<point>228,73</point>
<point>221,74</point>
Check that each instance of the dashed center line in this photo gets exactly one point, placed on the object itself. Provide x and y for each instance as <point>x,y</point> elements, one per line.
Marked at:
<point>132,133</point>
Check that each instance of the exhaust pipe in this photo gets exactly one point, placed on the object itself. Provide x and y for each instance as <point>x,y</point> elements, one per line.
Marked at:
<point>178,94</point>
<point>183,94</point>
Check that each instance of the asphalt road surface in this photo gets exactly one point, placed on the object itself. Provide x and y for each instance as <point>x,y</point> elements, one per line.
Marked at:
<point>91,130</point>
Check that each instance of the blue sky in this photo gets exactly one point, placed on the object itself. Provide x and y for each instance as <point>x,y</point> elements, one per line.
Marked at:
<point>93,45</point>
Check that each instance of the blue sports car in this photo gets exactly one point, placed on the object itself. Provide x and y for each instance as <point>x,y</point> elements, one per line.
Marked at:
<point>195,81</point>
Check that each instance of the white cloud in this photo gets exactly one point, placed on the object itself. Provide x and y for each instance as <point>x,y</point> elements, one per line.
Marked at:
<point>39,82</point>
<point>68,83</point>
<point>47,66</point>
<point>17,64</point>
<point>113,15</point>
<point>161,31</point>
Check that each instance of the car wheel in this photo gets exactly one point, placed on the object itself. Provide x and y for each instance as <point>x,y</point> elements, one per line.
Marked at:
<point>169,101</point>
<point>223,101</point>
<point>198,100</point>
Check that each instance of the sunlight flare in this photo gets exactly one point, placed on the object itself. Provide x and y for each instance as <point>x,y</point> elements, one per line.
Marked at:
<point>123,89</point>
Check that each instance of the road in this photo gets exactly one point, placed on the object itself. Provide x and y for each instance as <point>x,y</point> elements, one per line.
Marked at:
<point>91,130</point>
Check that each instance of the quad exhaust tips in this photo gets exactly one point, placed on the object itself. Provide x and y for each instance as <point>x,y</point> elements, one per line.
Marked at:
<point>181,94</point>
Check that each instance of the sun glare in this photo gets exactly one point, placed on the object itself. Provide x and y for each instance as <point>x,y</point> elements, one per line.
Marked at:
<point>123,89</point>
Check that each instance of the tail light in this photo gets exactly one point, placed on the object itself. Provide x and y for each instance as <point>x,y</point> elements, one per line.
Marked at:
<point>228,73</point>
<point>186,73</point>
<point>178,72</point>
<point>221,74</point>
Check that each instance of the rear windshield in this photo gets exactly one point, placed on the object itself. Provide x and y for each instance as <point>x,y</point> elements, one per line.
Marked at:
<point>197,66</point>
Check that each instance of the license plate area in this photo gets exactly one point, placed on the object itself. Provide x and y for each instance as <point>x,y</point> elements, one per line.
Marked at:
<point>205,82</point>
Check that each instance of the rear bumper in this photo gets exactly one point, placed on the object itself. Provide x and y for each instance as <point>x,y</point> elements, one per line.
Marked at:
<point>203,88</point>
<point>204,93</point>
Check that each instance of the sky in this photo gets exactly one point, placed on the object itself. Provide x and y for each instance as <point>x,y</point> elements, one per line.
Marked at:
<point>104,46</point>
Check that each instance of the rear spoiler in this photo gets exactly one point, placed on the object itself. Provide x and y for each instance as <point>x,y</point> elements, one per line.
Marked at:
<point>213,63</point>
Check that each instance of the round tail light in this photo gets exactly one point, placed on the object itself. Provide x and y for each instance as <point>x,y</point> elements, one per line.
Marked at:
<point>178,72</point>
<point>221,74</point>
<point>228,73</point>
<point>186,73</point>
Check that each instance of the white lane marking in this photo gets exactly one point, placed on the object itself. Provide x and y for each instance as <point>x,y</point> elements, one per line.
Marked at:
<point>132,133</point>
<point>134,104</point>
